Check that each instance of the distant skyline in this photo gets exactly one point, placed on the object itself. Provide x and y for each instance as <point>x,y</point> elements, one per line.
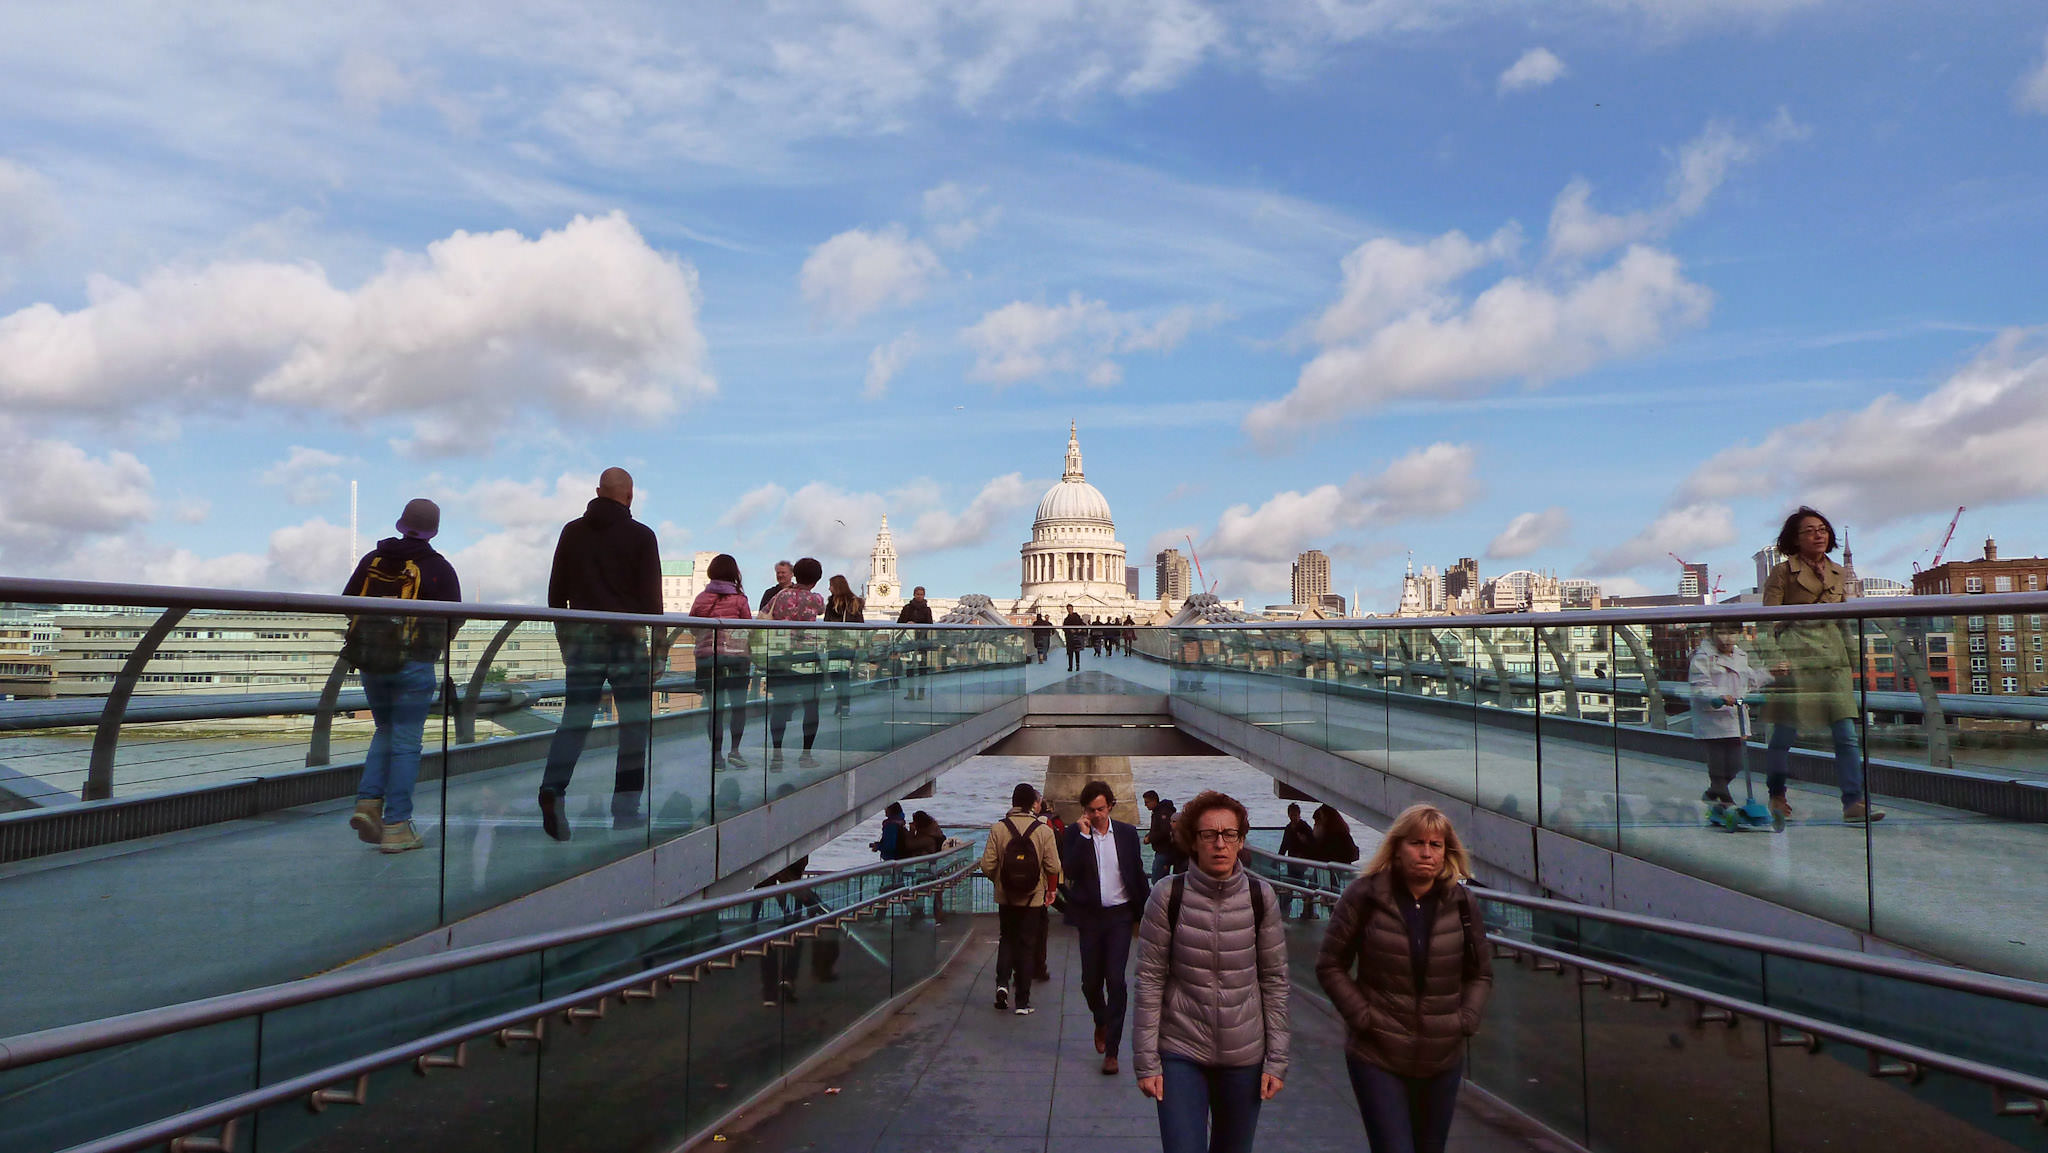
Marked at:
<point>1565,287</point>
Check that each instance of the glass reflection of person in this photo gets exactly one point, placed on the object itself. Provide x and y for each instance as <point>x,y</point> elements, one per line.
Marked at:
<point>723,667</point>
<point>1812,664</point>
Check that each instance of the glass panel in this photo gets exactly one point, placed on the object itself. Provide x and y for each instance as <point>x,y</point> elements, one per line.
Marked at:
<point>1357,720</point>
<point>305,1038</point>
<point>58,1104</point>
<point>1529,1050</point>
<point>1505,670</point>
<point>1656,1078</point>
<point>1575,731</point>
<point>588,739</point>
<point>1429,717</point>
<point>1973,763</point>
<point>679,773</point>
<point>1829,1100</point>
<point>487,1106</point>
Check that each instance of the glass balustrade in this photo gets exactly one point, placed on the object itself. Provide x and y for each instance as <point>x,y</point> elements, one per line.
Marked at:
<point>1666,741</point>
<point>638,1071</point>
<point>182,783</point>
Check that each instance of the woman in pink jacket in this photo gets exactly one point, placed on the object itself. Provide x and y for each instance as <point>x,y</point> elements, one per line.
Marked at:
<point>722,665</point>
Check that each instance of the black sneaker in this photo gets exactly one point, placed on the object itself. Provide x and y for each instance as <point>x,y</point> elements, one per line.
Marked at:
<point>1002,997</point>
<point>1718,797</point>
<point>553,820</point>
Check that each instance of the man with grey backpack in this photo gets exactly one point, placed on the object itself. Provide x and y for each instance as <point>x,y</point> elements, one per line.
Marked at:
<point>1022,857</point>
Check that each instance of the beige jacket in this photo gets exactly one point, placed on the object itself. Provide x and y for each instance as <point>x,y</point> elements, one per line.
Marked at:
<point>1820,687</point>
<point>1213,991</point>
<point>1042,838</point>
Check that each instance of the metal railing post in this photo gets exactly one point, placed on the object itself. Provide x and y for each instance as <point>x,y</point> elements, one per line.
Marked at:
<point>1653,694</point>
<point>465,717</point>
<point>323,714</point>
<point>99,775</point>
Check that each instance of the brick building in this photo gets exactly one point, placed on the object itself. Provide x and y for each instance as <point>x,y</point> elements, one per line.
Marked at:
<point>2002,654</point>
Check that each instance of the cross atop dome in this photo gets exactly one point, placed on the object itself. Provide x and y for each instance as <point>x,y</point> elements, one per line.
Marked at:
<point>1073,452</point>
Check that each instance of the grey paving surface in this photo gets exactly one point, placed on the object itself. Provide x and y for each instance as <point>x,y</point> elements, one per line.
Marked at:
<point>949,1074</point>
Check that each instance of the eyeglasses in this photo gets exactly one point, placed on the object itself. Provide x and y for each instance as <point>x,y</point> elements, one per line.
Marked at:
<point>1215,836</point>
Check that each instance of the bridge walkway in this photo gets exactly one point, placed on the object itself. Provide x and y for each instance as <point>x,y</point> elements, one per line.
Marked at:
<point>949,1074</point>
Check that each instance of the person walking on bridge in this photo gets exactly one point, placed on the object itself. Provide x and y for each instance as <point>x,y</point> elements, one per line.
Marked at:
<point>1023,859</point>
<point>1106,888</point>
<point>1212,1035</point>
<point>1076,637</point>
<point>723,667</point>
<point>1166,857</point>
<point>1813,663</point>
<point>605,561</point>
<point>1406,963</point>
<point>398,671</point>
<point>917,611</point>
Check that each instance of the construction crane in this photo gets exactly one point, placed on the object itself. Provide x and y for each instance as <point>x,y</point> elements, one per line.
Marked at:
<point>1945,538</point>
<point>1197,558</point>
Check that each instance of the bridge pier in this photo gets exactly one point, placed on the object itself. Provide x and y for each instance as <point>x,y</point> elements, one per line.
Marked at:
<point>1064,777</point>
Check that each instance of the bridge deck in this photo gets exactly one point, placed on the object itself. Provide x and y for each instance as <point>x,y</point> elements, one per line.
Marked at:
<point>950,1074</point>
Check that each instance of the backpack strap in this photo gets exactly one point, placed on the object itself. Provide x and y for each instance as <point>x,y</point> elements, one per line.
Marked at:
<point>1465,920</point>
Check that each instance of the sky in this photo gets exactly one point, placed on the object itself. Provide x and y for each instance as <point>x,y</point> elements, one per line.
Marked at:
<point>1567,287</point>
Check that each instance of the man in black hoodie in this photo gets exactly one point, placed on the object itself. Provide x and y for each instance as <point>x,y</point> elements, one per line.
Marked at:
<point>917,612</point>
<point>398,674</point>
<point>605,561</point>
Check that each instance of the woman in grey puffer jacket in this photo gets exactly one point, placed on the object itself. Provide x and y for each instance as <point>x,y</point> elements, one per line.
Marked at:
<point>1406,963</point>
<point>1211,1037</point>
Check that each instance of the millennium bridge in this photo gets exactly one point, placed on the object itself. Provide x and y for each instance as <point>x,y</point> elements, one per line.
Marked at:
<point>200,956</point>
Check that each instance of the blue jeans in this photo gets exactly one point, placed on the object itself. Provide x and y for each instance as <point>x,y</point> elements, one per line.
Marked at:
<point>398,703</point>
<point>1404,1114</point>
<point>1208,1108</point>
<point>1848,759</point>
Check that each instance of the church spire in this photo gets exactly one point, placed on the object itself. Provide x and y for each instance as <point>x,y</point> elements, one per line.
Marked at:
<point>1073,452</point>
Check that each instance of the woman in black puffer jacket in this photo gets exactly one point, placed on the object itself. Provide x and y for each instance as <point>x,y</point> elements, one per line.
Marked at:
<point>1405,961</point>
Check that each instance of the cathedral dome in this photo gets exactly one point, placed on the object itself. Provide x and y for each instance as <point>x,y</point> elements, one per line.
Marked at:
<point>1073,498</point>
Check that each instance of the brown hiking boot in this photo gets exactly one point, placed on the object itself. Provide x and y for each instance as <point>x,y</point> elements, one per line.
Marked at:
<point>1861,814</point>
<point>1780,807</point>
<point>368,820</point>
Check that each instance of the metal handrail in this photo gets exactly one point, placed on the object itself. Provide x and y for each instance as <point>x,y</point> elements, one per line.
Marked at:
<point>1913,1056</point>
<point>226,1110</point>
<point>1920,972</point>
<point>1888,1056</point>
<point>171,596</point>
<point>88,1036</point>
<point>167,596</point>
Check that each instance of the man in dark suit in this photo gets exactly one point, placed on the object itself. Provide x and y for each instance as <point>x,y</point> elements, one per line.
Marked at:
<point>1106,890</point>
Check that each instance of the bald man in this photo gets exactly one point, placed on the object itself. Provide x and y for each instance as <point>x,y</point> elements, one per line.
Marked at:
<point>605,561</point>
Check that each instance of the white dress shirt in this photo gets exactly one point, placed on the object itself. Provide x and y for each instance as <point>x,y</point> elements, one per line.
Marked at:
<point>1107,872</point>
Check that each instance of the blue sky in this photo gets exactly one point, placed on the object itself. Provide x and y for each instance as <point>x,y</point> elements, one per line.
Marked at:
<point>1564,286</point>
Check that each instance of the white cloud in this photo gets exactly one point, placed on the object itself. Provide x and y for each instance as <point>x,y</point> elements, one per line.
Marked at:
<point>307,475</point>
<point>1434,481</point>
<point>1536,68</point>
<point>1400,328</point>
<point>858,272</point>
<point>1519,328</point>
<point>369,83</point>
<point>1530,532</point>
<point>1023,340</point>
<point>1385,278</point>
<point>993,508</point>
<point>1694,528</point>
<point>955,215</point>
<point>29,214</point>
<point>885,362</point>
<point>1873,465</point>
<point>752,506</point>
<point>1579,231</point>
<point>55,499</point>
<point>2031,93</point>
<point>586,322</point>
